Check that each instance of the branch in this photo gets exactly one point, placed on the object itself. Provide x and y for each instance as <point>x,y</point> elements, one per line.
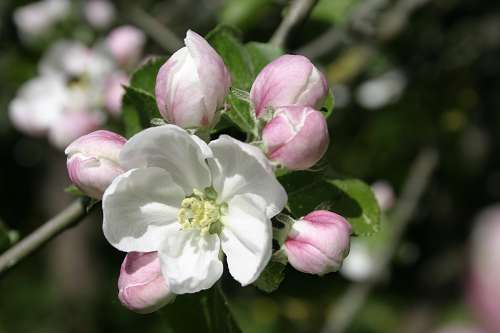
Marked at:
<point>65,219</point>
<point>298,11</point>
<point>166,38</point>
<point>354,298</point>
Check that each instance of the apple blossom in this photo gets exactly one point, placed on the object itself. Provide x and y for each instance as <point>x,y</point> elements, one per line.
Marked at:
<point>142,287</point>
<point>483,290</point>
<point>37,18</point>
<point>66,100</point>
<point>188,201</point>
<point>288,80</point>
<point>38,103</point>
<point>318,242</point>
<point>192,84</point>
<point>126,44</point>
<point>99,13</point>
<point>93,161</point>
<point>296,137</point>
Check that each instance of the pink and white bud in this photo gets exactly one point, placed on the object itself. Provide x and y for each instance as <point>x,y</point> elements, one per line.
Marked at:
<point>288,80</point>
<point>318,242</point>
<point>142,287</point>
<point>99,13</point>
<point>126,44</point>
<point>114,92</point>
<point>192,84</point>
<point>296,137</point>
<point>483,290</point>
<point>93,161</point>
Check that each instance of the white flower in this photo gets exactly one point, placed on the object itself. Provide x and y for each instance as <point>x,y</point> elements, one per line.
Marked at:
<point>188,201</point>
<point>37,18</point>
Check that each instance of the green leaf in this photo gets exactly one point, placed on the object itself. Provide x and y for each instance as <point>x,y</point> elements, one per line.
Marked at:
<point>73,190</point>
<point>5,240</point>
<point>139,107</point>
<point>205,311</point>
<point>226,41</point>
<point>240,114</point>
<point>274,273</point>
<point>348,197</point>
<point>144,77</point>
<point>327,108</point>
<point>261,54</point>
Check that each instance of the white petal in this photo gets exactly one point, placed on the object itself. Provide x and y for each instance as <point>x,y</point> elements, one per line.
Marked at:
<point>246,238</point>
<point>235,171</point>
<point>140,209</point>
<point>171,148</point>
<point>190,262</point>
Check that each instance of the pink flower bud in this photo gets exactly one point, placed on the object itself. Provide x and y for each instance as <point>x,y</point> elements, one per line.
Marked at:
<point>192,84</point>
<point>318,242</point>
<point>93,161</point>
<point>114,92</point>
<point>141,285</point>
<point>126,44</point>
<point>483,289</point>
<point>288,80</point>
<point>296,137</point>
<point>99,13</point>
<point>71,125</point>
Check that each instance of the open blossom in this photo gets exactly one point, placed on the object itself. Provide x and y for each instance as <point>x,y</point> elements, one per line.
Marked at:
<point>192,84</point>
<point>126,44</point>
<point>37,18</point>
<point>318,242</point>
<point>66,100</point>
<point>296,137</point>
<point>142,287</point>
<point>188,201</point>
<point>288,80</point>
<point>93,161</point>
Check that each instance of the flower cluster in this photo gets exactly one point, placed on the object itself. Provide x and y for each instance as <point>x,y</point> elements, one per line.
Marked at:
<point>75,86</point>
<point>179,205</point>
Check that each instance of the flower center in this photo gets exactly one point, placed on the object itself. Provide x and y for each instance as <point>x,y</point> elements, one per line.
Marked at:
<point>201,211</point>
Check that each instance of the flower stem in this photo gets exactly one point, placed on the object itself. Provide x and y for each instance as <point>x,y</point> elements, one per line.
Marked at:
<point>355,296</point>
<point>298,11</point>
<point>65,219</point>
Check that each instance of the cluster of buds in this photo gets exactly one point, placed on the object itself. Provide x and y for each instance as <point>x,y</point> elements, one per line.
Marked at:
<point>289,90</point>
<point>190,91</point>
